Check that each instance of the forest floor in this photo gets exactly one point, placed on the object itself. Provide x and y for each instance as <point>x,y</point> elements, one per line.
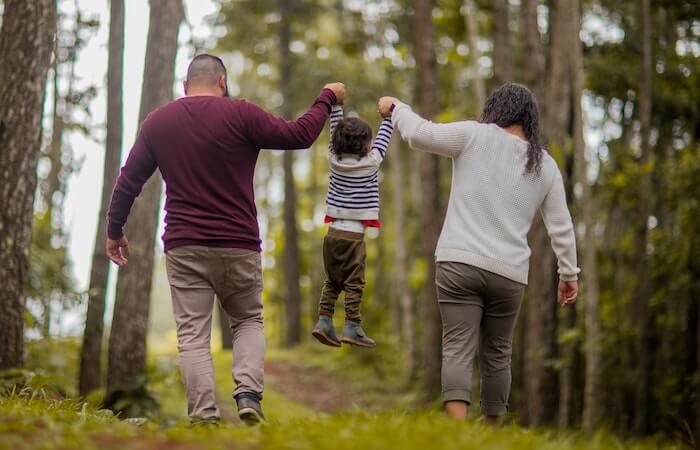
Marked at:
<point>312,400</point>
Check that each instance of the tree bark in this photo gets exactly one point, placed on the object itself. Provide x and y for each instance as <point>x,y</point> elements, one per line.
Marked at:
<point>640,303</point>
<point>470,13</point>
<point>532,365</point>
<point>586,208</point>
<point>432,212</point>
<point>91,351</point>
<point>26,43</point>
<point>401,288</point>
<point>502,52</point>
<point>541,336</point>
<point>291,234</point>
<point>127,342</point>
<point>534,67</point>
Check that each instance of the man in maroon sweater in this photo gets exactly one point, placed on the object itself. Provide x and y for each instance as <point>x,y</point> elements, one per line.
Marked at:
<point>206,146</point>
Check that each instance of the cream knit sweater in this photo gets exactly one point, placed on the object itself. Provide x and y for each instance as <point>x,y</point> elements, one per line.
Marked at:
<point>492,200</point>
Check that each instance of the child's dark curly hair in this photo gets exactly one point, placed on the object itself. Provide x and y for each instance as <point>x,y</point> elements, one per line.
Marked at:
<point>352,136</point>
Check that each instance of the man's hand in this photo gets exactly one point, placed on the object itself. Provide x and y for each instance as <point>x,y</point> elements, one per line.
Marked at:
<point>118,251</point>
<point>567,292</point>
<point>339,91</point>
<point>384,106</point>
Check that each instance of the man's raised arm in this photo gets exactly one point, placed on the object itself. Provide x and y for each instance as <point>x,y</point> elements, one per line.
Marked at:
<point>271,132</point>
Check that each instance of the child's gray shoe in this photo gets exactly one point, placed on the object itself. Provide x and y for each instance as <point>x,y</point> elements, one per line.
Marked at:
<point>353,334</point>
<point>325,333</point>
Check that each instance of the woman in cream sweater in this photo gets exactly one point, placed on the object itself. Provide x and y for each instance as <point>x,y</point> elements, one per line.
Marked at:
<point>501,178</point>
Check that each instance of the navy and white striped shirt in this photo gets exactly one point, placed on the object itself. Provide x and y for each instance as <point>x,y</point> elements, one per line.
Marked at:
<point>353,189</point>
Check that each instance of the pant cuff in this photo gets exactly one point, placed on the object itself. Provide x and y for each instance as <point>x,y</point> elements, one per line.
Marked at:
<point>464,395</point>
<point>493,408</point>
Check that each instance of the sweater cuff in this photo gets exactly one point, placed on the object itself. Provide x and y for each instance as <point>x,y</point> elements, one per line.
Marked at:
<point>398,106</point>
<point>327,97</point>
<point>568,277</point>
<point>114,232</point>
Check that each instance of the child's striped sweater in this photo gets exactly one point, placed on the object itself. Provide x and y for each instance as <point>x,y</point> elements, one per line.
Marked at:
<point>353,190</point>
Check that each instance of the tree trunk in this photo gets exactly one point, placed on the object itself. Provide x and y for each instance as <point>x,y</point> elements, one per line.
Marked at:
<point>91,352</point>
<point>563,13</point>
<point>127,342</point>
<point>586,207</point>
<point>534,68</point>
<point>470,13</point>
<point>532,365</point>
<point>26,43</point>
<point>541,311</point>
<point>502,52</point>
<point>432,212</point>
<point>640,303</point>
<point>57,126</point>
<point>291,235</point>
<point>539,399</point>
<point>400,270</point>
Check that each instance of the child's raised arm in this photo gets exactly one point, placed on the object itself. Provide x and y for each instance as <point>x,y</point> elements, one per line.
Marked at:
<point>381,141</point>
<point>336,116</point>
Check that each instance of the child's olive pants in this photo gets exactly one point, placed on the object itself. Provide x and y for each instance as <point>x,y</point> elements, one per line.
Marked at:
<point>344,260</point>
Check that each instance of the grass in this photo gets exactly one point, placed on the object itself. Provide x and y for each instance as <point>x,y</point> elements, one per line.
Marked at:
<point>36,423</point>
<point>35,419</point>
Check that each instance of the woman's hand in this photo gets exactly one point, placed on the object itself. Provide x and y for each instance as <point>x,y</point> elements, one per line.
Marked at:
<point>385,104</point>
<point>567,292</point>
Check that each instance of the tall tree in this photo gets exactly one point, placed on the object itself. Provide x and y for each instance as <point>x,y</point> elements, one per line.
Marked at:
<point>586,208</point>
<point>431,202</point>
<point>400,287</point>
<point>470,15</point>
<point>26,43</point>
<point>291,234</point>
<point>534,71</point>
<point>541,311</point>
<point>502,50</point>
<point>91,350</point>
<point>642,295</point>
<point>127,342</point>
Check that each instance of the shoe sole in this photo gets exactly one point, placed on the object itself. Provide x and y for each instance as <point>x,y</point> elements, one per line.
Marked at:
<point>349,341</point>
<point>324,339</point>
<point>250,417</point>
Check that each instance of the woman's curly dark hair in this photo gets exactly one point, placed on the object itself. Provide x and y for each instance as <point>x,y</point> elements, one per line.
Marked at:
<point>514,104</point>
<point>352,136</point>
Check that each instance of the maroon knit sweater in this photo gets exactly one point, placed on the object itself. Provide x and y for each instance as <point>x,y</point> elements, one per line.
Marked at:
<point>206,149</point>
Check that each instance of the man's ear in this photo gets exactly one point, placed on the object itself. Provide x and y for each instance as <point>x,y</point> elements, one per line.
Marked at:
<point>184,86</point>
<point>222,83</point>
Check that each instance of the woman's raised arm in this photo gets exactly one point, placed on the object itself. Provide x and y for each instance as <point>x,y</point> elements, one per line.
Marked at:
<point>445,139</point>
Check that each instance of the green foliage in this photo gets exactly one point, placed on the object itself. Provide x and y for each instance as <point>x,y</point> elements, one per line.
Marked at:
<point>50,279</point>
<point>32,423</point>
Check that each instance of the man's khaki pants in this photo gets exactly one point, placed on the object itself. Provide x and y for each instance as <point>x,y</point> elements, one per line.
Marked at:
<point>196,274</point>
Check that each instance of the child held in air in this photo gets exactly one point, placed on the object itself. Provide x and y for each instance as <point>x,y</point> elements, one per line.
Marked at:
<point>352,204</point>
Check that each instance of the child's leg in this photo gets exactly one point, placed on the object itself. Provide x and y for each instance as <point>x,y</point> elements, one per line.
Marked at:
<point>331,288</point>
<point>324,331</point>
<point>354,284</point>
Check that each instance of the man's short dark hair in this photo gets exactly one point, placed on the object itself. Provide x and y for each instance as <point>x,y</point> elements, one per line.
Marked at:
<point>205,69</point>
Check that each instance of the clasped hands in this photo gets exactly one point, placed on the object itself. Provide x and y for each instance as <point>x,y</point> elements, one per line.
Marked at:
<point>383,107</point>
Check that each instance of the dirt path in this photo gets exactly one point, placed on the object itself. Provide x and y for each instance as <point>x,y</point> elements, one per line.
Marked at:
<point>314,388</point>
